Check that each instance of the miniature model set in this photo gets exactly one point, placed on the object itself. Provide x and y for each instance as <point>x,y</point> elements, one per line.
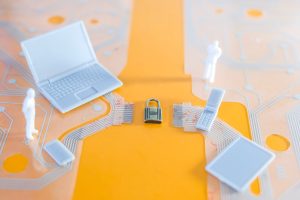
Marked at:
<point>71,86</point>
<point>258,68</point>
<point>39,146</point>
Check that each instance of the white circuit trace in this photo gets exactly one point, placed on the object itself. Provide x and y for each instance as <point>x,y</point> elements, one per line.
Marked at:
<point>221,135</point>
<point>108,23</point>
<point>121,112</point>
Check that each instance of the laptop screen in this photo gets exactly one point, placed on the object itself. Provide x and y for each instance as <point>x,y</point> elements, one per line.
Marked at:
<point>58,51</point>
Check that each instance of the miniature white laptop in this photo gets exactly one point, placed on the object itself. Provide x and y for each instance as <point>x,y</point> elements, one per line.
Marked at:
<point>65,67</point>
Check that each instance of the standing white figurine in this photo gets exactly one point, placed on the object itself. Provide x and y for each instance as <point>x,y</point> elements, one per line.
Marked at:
<point>214,52</point>
<point>29,113</point>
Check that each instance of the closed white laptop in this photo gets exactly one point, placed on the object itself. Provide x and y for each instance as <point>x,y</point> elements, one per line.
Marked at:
<point>65,68</point>
<point>59,152</point>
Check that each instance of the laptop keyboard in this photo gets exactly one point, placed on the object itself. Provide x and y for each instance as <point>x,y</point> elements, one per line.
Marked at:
<point>75,82</point>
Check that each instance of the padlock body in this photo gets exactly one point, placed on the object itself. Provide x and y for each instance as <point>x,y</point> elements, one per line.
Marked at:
<point>153,115</point>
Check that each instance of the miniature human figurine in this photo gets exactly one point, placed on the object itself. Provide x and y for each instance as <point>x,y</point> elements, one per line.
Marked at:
<point>29,113</point>
<point>213,54</point>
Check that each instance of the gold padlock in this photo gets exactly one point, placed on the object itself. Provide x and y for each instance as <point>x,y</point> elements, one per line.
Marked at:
<point>153,114</point>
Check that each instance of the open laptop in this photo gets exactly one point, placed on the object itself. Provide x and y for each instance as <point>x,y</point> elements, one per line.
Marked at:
<point>65,67</point>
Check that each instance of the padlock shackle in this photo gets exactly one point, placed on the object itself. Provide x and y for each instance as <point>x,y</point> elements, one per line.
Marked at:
<point>153,99</point>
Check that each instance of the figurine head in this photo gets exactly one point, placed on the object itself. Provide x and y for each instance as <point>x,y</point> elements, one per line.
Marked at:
<point>30,93</point>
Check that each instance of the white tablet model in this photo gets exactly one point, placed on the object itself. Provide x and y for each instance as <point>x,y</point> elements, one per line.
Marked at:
<point>240,163</point>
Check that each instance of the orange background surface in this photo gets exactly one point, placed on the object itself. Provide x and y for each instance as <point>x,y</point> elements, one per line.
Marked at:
<point>142,161</point>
